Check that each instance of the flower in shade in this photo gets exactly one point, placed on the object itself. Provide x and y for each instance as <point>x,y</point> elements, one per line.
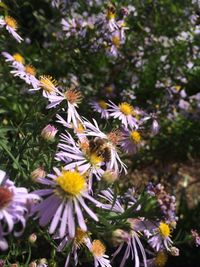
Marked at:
<point>27,73</point>
<point>11,26</point>
<point>159,259</point>
<point>98,250</point>
<point>133,244</point>
<point>161,238</point>
<point>14,207</point>
<point>196,237</point>
<point>82,238</point>
<point>17,60</point>
<point>125,113</point>
<point>49,132</point>
<point>101,107</point>
<point>121,237</point>
<point>64,202</point>
<point>111,21</point>
<point>131,140</point>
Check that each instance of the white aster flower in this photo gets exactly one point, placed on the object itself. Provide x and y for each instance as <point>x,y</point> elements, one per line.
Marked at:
<point>125,113</point>
<point>27,73</point>
<point>101,107</point>
<point>11,26</point>
<point>17,60</point>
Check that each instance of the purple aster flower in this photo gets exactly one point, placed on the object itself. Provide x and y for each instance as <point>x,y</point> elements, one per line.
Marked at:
<point>101,107</point>
<point>14,207</point>
<point>63,202</point>
<point>161,237</point>
<point>131,141</point>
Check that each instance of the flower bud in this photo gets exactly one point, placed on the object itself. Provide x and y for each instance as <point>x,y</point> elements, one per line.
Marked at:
<point>174,251</point>
<point>43,261</point>
<point>32,238</point>
<point>110,176</point>
<point>49,132</point>
<point>119,236</point>
<point>38,173</point>
<point>33,264</point>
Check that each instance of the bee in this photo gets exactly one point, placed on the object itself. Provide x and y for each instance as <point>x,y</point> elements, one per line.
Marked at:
<point>100,146</point>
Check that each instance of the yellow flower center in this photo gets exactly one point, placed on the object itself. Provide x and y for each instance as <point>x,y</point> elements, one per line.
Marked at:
<point>135,137</point>
<point>94,159</point>
<point>80,128</point>
<point>11,22</point>
<point>110,14</point>
<point>30,70</point>
<point>126,108</point>
<point>164,230</point>
<point>5,197</point>
<point>109,89</point>
<point>116,40</point>
<point>72,182</point>
<point>98,249</point>
<point>177,88</point>
<point>103,104</point>
<point>80,237</point>
<point>17,57</point>
<point>161,259</point>
<point>48,83</point>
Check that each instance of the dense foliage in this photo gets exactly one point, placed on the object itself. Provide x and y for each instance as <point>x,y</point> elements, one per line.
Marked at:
<point>99,133</point>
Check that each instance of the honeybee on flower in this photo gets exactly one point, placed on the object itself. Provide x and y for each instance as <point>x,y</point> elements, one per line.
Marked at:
<point>110,142</point>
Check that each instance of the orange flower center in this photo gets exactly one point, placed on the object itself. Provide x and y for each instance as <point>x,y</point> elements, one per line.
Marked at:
<point>5,197</point>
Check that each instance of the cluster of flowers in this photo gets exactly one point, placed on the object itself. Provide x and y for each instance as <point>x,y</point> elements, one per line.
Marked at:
<point>85,160</point>
<point>109,31</point>
<point>81,186</point>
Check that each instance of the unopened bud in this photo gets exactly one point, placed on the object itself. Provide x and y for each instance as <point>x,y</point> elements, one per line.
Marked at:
<point>119,236</point>
<point>174,251</point>
<point>32,238</point>
<point>49,132</point>
<point>38,173</point>
<point>33,264</point>
<point>43,261</point>
<point>14,265</point>
<point>110,176</point>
